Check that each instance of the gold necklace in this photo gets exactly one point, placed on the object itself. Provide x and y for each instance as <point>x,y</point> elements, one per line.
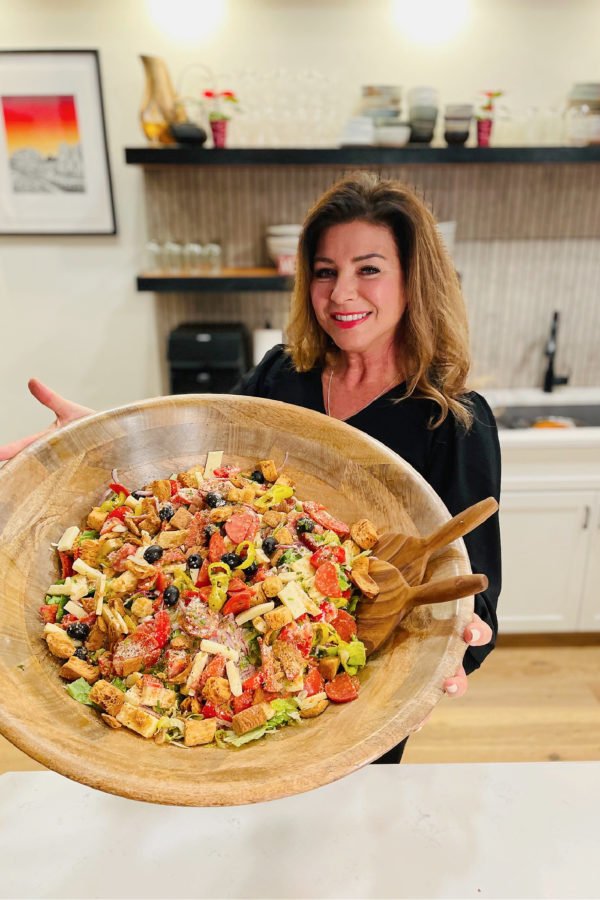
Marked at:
<point>384,391</point>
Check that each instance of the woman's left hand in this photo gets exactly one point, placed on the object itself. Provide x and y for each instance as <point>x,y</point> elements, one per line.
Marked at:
<point>475,634</point>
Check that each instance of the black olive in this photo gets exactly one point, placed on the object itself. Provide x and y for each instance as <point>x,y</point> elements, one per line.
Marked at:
<point>251,570</point>
<point>136,495</point>
<point>195,561</point>
<point>209,530</point>
<point>81,653</point>
<point>171,595</point>
<point>257,476</point>
<point>166,512</point>
<point>269,545</point>
<point>305,524</point>
<point>232,560</point>
<point>153,553</point>
<point>79,631</point>
<point>215,499</point>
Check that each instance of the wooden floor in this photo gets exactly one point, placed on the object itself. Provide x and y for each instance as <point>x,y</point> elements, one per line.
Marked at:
<point>536,698</point>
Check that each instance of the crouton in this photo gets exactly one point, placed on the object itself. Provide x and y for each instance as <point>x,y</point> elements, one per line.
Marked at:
<point>269,469</point>
<point>351,549</point>
<point>169,539</point>
<point>272,585</point>
<point>364,534</point>
<point>97,518</point>
<point>181,519</point>
<point>290,658</point>
<point>141,607</point>
<point>95,639</point>
<point>277,618</point>
<point>107,696</point>
<point>198,731</point>
<point>364,583</point>
<point>328,667</point>
<point>234,495</point>
<point>148,506</point>
<point>89,552</point>
<point>247,495</point>
<point>248,719</point>
<point>220,514</point>
<point>151,523</point>
<point>76,668</point>
<point>286,480</point>
<point>258,595</point>
<point>277,556</point>
<point>284,536</point>
<point>273,519</point>
<point>60,644</point>
<point>161,490</point>
<point>129,666</point>
<point>310,710</point>
<point>157,695</point>
<point>137,720</point>
<point>123,584</point>
<point>188,479</point>
<point>110,720</point>
<point>217,691</point>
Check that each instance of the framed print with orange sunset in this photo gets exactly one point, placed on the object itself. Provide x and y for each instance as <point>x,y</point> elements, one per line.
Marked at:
<point>54,166</point>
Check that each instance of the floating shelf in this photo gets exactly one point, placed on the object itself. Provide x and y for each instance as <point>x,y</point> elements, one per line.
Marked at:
<point>356,156</point>
<point>226,280</point>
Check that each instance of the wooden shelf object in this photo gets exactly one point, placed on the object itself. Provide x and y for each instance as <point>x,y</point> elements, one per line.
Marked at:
<point>356,156</point>
<point>257,279</point>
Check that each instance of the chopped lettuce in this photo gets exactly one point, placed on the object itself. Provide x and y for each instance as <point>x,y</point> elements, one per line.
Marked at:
<point>119,683</point>
<point>286,711</point>
<point>89,535</point>
<point>289,557</point>
<point>80,691</point>
<point>352,656</point>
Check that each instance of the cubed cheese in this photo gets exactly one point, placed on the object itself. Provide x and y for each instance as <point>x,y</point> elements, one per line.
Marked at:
<point>68,539</point>
<point>213,461</point>
<point>76,609</point>
<point>294,598</point>
<point>235,682</point>
<point>219,649</point>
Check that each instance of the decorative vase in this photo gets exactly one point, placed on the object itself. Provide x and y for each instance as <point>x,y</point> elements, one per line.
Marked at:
<point>159,107</point>
<point>219,132</point>
<point>484,131</point>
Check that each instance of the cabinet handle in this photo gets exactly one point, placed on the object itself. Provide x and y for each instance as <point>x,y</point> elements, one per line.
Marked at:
<point>586,518</point>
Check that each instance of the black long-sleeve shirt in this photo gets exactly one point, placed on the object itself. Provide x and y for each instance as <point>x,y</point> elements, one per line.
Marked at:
<point>462,468</point>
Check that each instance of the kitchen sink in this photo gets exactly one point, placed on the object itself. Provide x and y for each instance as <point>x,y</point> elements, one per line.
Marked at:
<point>583,415</point>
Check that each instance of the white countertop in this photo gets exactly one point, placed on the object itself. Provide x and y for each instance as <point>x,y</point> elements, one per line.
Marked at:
<point>498,830</point>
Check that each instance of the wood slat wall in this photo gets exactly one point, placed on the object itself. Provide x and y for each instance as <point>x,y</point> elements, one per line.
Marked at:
<point>527,242</point>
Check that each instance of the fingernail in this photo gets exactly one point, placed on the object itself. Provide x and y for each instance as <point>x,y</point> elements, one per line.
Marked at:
<point>475,634</point>
<point>452,689</point>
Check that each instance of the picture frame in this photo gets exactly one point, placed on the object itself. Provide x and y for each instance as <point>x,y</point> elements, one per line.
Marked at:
<point>55,173</point>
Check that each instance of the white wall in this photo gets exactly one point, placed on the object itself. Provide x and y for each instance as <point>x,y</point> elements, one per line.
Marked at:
<point>70,312</point>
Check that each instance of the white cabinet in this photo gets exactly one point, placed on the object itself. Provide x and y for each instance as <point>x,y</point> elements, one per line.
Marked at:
<point>551,561</point>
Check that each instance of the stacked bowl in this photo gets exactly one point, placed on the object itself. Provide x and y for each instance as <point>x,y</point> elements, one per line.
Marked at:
<point>282,245</point>
<point>457,123</point>
<point>423,105</point>
<point>383,104</point>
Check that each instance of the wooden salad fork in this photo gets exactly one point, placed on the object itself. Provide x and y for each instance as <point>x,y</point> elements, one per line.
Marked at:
<point>377,618</point>
<point>411,554</point>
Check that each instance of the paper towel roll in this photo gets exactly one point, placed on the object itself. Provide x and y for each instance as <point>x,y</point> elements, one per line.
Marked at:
<point>262,340</point>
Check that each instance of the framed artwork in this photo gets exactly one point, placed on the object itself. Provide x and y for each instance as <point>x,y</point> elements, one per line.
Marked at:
<point>54,167</point>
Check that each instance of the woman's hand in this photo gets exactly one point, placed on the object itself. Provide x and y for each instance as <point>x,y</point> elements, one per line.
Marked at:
<point>64,410</point>
<point>475,634</point>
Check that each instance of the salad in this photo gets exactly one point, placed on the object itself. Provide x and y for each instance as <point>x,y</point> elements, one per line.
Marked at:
<point>213,606</point>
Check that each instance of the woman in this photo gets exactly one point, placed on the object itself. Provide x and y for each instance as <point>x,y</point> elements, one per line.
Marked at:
<point>378,338</point>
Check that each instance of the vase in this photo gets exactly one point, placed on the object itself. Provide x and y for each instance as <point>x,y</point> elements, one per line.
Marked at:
<point>484,131</point>
<point>159,107</point>
<point>219,132</point>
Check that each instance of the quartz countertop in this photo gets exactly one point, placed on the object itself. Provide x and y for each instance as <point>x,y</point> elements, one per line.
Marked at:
<point>497,830</point>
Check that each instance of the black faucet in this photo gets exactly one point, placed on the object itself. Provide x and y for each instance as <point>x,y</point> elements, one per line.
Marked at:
<point>550,379</point>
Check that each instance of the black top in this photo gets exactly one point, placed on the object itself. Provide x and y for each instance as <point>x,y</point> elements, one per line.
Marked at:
<point>462,468</point>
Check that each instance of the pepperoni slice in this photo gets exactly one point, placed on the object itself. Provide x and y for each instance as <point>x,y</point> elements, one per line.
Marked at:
<point>326,580</point>
<point>216,547</point>
<point>345,625</point>
<point>318,512</point>
<point>238,526</point>
<point>343,688</point>
<point>313,682</point>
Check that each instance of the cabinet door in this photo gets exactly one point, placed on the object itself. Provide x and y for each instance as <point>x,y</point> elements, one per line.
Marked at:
<point>545,539</point>
<point>590,609</point>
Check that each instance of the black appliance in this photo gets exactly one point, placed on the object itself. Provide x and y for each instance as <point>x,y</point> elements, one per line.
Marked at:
<point>207,357</point>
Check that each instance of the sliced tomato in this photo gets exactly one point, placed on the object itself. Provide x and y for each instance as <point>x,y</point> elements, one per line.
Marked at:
<point>216,547</point>
<point>158,628</point>
<point>176,662</point>
<point>105,664</point>
<point>202,580</point>
<point>300,636</point>
<point>214,669</point>
<point>174,486</point>
<point>239,602</point>
<point>66,564</point>
<point>328,553</point>
<point>210,711</point>
<point>318,512</point>
<point>343,688</point>
<point>147,584</point>
<point>119,512</point>
<point>235,584</point>
<point>309,540</point>
<point>244,701</point>
<point>48,612</point>
<point>328,612</point>
<point>226,471</point>
<point>161,582</point>
<point>253,681</point>
<point>313,682</point>
<point>204,592</point>
<point>326,580</point>
<point>345,625</point>
<point>260,575</point>
<point>68,619</point>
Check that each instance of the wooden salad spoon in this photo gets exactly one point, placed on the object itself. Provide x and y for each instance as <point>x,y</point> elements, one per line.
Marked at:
<point>377,618</point>
<point>411,554</point>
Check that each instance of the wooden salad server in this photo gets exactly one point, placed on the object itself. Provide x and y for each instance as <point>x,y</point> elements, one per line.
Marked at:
<point>411,554</point>
<point>377,618</point>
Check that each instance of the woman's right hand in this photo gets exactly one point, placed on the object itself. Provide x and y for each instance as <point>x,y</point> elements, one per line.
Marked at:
<point>65,412</point>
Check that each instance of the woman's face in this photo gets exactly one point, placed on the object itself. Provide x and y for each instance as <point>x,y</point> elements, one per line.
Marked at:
<point>357,288</point>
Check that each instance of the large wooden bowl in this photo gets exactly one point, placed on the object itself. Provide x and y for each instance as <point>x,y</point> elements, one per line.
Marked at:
<point>55,482</point>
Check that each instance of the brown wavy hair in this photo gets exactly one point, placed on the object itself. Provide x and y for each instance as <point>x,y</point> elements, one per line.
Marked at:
<point>433,333</point>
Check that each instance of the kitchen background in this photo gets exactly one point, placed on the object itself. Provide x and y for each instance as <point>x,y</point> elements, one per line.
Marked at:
<point>528,235</point>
